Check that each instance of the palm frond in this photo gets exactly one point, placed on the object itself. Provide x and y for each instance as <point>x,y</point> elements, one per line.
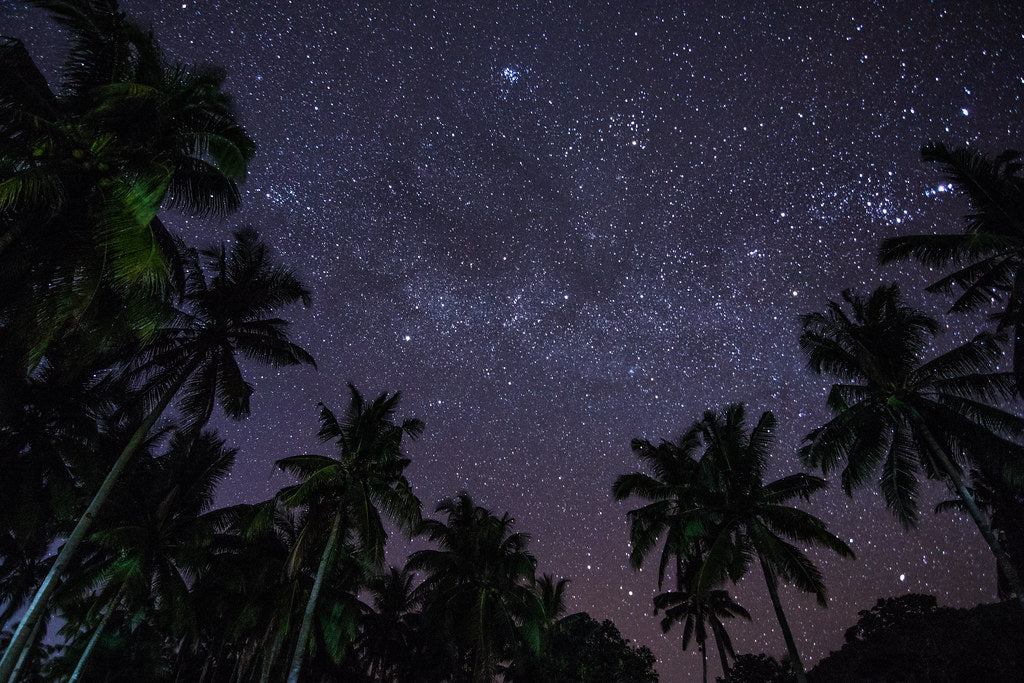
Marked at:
<point>899,479</point>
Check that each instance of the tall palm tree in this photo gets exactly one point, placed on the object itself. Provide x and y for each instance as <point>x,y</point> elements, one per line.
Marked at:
<point>989,254</point>
<point>52,438</point>
<point>752,519</point>
<point>222,316</point>
<point>89,169</point>
<point>241,608</point>
<point>895,410</point>
<point>477,588</point>
<point>671,489</point>
<point>728,516</point>
<point>346,494</point>
<point>697,612</point>
<point>677,510</point>
<point>158,539</point>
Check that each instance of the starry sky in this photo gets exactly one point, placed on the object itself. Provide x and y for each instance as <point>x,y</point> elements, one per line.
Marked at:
<point>557,227</point>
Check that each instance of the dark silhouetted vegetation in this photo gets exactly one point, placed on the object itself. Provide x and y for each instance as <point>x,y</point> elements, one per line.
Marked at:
<point>118,341</point>
<point>759,668</point>
<point>910,639</point>
<point>719,517</point>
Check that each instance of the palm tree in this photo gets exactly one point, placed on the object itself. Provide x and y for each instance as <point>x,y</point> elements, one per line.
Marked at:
<point>52,437</point>
<point>540,664</point>
<point>477,588</point>
<point>388,636</point>
<point>159,538</point>
<point>671,491</point>
<point>345,494</point>
<point>223,316</point>
<point>989,255</point>
<point>752,518</point>
<point>675,511</point>
<point>1004,504</point>
<point>241,607</point>
<point>698,611</point>
<point>89,169</point>
<point>727,515</point>
<point>895,410</point>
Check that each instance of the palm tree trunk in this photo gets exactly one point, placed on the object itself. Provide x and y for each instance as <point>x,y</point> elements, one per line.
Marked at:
<point>721,650</point>
<point>704,660</point>
<point>956,478</point>
<point>70,547</point>
<point>307,617</point>
<point>111,606</point>
<point>28,648</point>
<point>268,661</point>
<point>773,591</point>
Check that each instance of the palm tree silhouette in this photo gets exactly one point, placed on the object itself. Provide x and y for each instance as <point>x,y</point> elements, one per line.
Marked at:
<point>389,631</point>
<point>89,169</point>
<point>345,494</point>
<point>478,585</point>
<point>222,316</point>
<point>671,491</point>
<point>723,513</point>
<point>752,518</point>
<point>990,253</point>
<point>1004,504</point>
<point>896,411</point>
<point>529,664</point>
<point>159,537</point>
<point>697,612</point>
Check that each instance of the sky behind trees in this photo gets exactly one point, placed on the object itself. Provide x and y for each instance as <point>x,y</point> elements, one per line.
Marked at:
<point>558,228</point>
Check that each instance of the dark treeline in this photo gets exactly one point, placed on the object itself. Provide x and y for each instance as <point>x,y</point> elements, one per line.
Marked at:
<point>118,341</point>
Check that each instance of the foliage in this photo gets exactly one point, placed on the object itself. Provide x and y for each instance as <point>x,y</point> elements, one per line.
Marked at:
<point>107,319</point>
<point>988,255</point>
<point>91,167</point>
<point>719,517</point>
<point>477,586</point>
<point>759,668</point>
<point>894,410</point>
<point>908,639</point>
<point>344,497</point>
<point>592,652</point>
<point>1004,504</point>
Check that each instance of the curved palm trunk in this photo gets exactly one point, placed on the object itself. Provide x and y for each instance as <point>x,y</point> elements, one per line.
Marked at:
<point>91,645</point>
<point>773,591</point>
<point>307,617</point>
<point>977,514</point>
<point>70,547</point>
<point>28,648</point>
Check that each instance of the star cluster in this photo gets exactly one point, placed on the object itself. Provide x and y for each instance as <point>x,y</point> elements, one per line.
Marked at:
<point>557,227</point>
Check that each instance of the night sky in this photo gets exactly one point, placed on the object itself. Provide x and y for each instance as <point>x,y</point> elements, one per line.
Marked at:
<point>557,228</point>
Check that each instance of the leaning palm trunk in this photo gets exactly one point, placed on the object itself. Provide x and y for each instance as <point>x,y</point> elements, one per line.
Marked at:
<point>28,648</point>
<point>270,658</point>
<point>91,645</point>
<point>721,649</point>
<point>773,591</point>
<point>314,594</point>
<point>39,601</point>
<point>956,478</point>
